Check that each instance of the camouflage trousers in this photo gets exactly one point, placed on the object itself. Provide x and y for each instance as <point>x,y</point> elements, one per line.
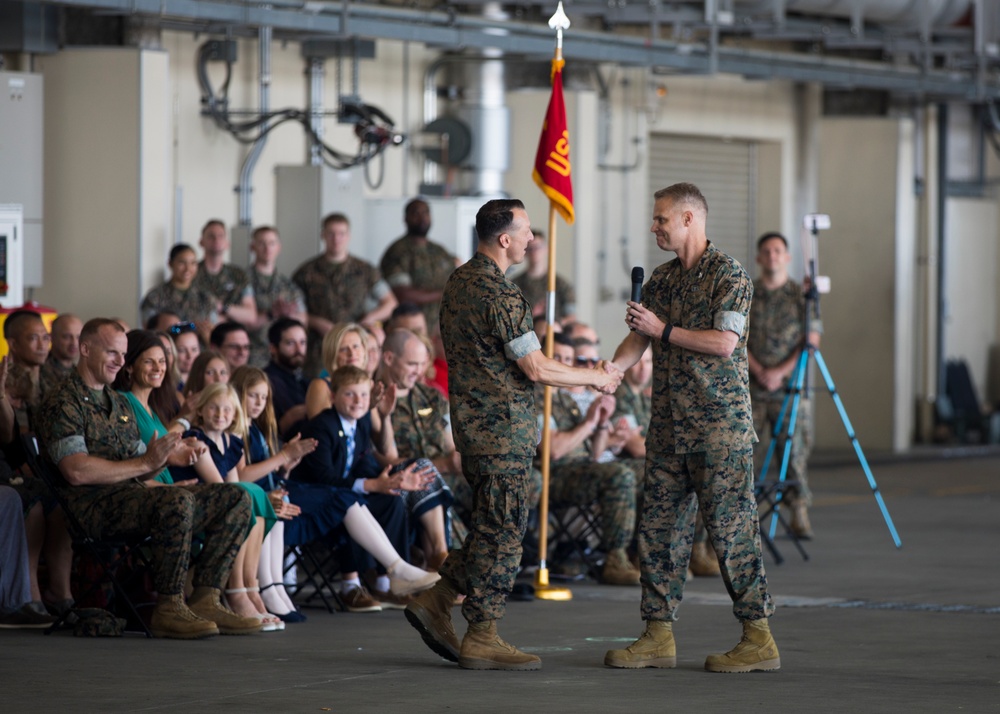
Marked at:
<point>720,484</point>
<point>765,417</point>
<point>611,484</point>
<point>485,567</point>
<point>639,467</point>
<point>462,492</point>
<point>170,515</point>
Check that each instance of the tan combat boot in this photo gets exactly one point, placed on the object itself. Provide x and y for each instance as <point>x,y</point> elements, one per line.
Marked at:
<point>174,619</point>
<point>656,648</point>
<point>618,570</point>
<point>756,651</point>
<point>430,613</point>
<point>482,648</point>
<point>206,602</point>
<point>800,521</point>
<point>704,562</point>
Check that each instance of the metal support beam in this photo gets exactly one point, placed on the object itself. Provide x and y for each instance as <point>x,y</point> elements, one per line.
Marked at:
<point>447,30</point>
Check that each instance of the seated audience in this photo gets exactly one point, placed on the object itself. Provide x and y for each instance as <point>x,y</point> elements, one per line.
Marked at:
<point>232,340</point>
<point>577,440</point>
<point>188,347</point>
<point>267,465</point>
<point>287,344</point>
<point>344,461</point>
<point>64,353</point>
<point>162,321</point>
<point>15,586</point>
<point>344,346</point>
<point>89,433</point>
<point>420,426</point>
<point>218,421</point>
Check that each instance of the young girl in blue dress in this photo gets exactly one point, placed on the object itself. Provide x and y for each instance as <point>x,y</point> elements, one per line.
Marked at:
<point>217,414</point>
<point>267,465</point>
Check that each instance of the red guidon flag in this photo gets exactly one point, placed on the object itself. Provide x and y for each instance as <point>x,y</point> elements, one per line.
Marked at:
<point>552,167</point>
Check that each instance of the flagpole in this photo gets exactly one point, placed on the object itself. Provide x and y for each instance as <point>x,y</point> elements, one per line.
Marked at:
<point>544,590</point>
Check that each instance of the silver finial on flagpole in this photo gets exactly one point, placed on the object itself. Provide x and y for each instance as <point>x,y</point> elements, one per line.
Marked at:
<point>559,22</point>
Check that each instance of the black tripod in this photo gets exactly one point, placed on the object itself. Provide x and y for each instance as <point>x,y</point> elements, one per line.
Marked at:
<point>793,395</point>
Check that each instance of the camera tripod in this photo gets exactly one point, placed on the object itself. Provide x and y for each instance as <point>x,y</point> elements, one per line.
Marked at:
<point>798,384</point>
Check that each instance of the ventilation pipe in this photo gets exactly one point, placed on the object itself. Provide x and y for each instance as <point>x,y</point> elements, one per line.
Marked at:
<point>483,109</point>
<point>245,187</point>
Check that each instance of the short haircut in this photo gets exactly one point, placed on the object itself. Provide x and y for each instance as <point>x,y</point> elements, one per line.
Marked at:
<point>413,202</point>
<point>335,218</point>
<point>154,319</point>
<point>92,327</point>
<point>18,320</point>
<point>561,338</point>
<point>495,217</point>
<point>681,193</point>
<point>212,222</point>
<point>63,317</point>
<point>406,309</point>
<point>178,249</point>
<point>261,230</point>
<point>397,340</point>
<point>223,330</point>
<point>768,236</point>
<point>278,328</point>
<point>346,376</point>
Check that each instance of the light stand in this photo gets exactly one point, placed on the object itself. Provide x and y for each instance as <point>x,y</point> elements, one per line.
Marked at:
<point>799,382</point>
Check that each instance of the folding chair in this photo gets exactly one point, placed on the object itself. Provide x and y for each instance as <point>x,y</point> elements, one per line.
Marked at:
<point>769,494</point>
<point>314,563</point>
<point>577,527</point>
<point>109,554</point>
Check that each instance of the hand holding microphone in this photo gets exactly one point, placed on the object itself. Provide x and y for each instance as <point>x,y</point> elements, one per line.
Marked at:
<point>637,277</point>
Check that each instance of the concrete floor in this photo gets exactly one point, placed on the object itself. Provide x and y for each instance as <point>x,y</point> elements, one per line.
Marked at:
<point>861,626</point>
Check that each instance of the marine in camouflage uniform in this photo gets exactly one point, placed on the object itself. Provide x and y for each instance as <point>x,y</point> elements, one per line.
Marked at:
<point>50,375</point>
<point>700,441</point>
<point>776,324</point>
<point>192,304</point>
<point>536,289</point>
<point>419,263</point>
<point>76,419</point>
<point>230,285</point>
<point>577,478</point>
<point>486,326</point>
<point>421,421</point>
<point>338,292</point>
<point>268,290</point>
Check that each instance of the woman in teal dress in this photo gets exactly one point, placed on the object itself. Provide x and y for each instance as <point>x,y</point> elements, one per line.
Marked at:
<point>146,383</point>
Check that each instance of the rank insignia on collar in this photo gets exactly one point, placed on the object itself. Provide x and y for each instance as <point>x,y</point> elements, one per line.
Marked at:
<point>425,412</point>
<point>124,418</point>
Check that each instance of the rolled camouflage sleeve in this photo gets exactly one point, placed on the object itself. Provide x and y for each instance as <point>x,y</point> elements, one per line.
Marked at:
<point>512,323</point>
<point>731,302</point>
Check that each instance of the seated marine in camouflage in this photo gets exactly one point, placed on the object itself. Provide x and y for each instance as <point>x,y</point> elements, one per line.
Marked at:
<point>89,433</point>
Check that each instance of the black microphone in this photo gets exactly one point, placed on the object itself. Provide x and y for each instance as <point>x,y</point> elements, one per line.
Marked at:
<point>637,277</point>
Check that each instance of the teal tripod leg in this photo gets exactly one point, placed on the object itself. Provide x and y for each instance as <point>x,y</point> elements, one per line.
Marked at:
<point>798,378</point>
<point>857,447</point>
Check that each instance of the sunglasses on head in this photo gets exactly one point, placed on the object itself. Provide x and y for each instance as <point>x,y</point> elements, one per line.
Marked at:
<point>181,327</point>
